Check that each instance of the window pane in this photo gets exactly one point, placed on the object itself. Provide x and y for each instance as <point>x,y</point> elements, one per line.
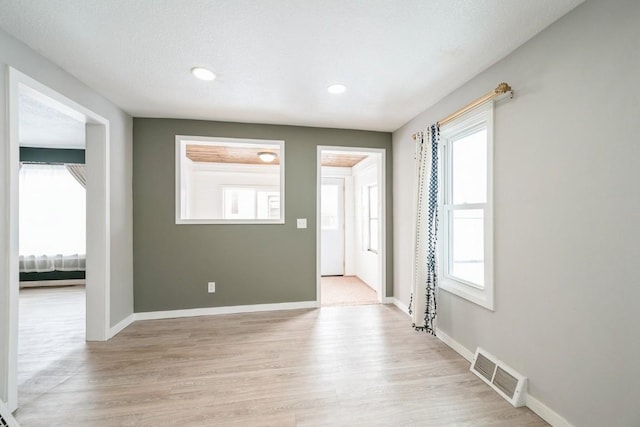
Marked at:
<point>329,206</point>
<point>467,250</point>
<point>373,201</point>
<point>469,163</point>
<point>373,235</point>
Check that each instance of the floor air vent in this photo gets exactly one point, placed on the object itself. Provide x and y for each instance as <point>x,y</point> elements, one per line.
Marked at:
<point>508,383</point>
<point>6,419</point>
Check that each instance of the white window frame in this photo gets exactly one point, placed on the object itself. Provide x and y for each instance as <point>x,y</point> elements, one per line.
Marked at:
<point>479,118</point>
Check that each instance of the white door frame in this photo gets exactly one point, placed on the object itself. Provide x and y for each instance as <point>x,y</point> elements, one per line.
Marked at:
<point>98,226</point>
<point>382,270</point>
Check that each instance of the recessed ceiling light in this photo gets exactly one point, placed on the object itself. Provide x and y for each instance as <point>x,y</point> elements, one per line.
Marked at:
<point>203,73</point>
<point>336,89</point>
<point>267,156</point>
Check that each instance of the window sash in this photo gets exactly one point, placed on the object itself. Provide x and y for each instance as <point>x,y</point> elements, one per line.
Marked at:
<point>449,246</point>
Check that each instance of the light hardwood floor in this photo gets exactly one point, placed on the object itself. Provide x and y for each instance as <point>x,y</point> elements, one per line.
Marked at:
<point>336,366</point>
<point>52,331</point>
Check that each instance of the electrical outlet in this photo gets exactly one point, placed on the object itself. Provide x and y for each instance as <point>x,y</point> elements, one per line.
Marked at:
<point>211,287</point>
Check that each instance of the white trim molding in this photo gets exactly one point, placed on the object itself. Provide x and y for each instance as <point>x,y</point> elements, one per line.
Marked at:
<point>121,325</point>
<point>207,311</point>
<point>395,301</point>
<point>455,345</point>
<point>546,413</point>
<point>233,309</point>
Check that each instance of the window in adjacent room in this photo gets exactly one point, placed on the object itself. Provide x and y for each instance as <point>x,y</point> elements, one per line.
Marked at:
<point>251,202</point>
<point>373,240</point>
<point>52,211</point>
<point>229,180</point>
<point>467,208</point>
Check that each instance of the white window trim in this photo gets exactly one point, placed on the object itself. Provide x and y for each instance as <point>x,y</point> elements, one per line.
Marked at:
<point>180,151</point>
<point>481,296</point>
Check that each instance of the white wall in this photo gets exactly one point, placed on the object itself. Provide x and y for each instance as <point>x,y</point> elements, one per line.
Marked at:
<point>22,58</point>
<point>350,243</point>
<point>566,215</point>
<point>206,184</point>
<point>367,263</point>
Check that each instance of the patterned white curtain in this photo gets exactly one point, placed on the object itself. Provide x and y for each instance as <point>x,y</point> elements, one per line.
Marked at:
<point>46,263</point>
<point>425,280</point>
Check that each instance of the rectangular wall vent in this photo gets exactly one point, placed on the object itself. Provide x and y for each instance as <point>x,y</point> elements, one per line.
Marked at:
<point>484,366</point>
<point>507,382</point>
<point>6,419</point>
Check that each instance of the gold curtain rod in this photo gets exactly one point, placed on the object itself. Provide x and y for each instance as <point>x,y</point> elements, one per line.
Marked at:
<point>500,90</point>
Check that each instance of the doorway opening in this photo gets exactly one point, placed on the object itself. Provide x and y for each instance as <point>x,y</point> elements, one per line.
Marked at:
<point>31,101</point>
<point>52,243</point>
<point>350,226</point>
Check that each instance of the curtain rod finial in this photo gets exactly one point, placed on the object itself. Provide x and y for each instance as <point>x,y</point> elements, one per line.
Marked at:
<point>503,88</point>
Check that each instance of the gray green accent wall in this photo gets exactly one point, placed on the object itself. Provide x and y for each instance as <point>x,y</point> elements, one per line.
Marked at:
<point>251,264</point>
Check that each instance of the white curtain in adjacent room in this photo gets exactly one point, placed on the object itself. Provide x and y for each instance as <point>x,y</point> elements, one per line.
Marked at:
<point>46,263</point>
<point>79,172</point>
<point>52,211</point>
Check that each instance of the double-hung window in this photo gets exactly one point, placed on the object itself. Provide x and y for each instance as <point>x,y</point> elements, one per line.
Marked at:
<point>466,266</point>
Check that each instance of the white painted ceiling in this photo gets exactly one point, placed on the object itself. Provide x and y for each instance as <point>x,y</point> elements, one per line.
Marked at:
<point>275,58</point>
<point>41,124</point>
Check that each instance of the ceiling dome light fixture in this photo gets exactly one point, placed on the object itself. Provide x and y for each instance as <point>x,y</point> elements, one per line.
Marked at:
<point>267,156</point>
<point>336,89</point>
<point>203,73</point>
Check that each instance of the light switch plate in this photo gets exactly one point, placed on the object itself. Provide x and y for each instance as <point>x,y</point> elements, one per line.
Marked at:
<point>302,222</point>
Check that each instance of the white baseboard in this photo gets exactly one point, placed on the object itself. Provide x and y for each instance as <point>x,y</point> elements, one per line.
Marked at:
<point>41,283</point>
<point>399,304</point>
<point>115,330</point>
<point>546,413</point>
<point>211,311</point>
<point>455,345</point>
<point>539,408</point>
